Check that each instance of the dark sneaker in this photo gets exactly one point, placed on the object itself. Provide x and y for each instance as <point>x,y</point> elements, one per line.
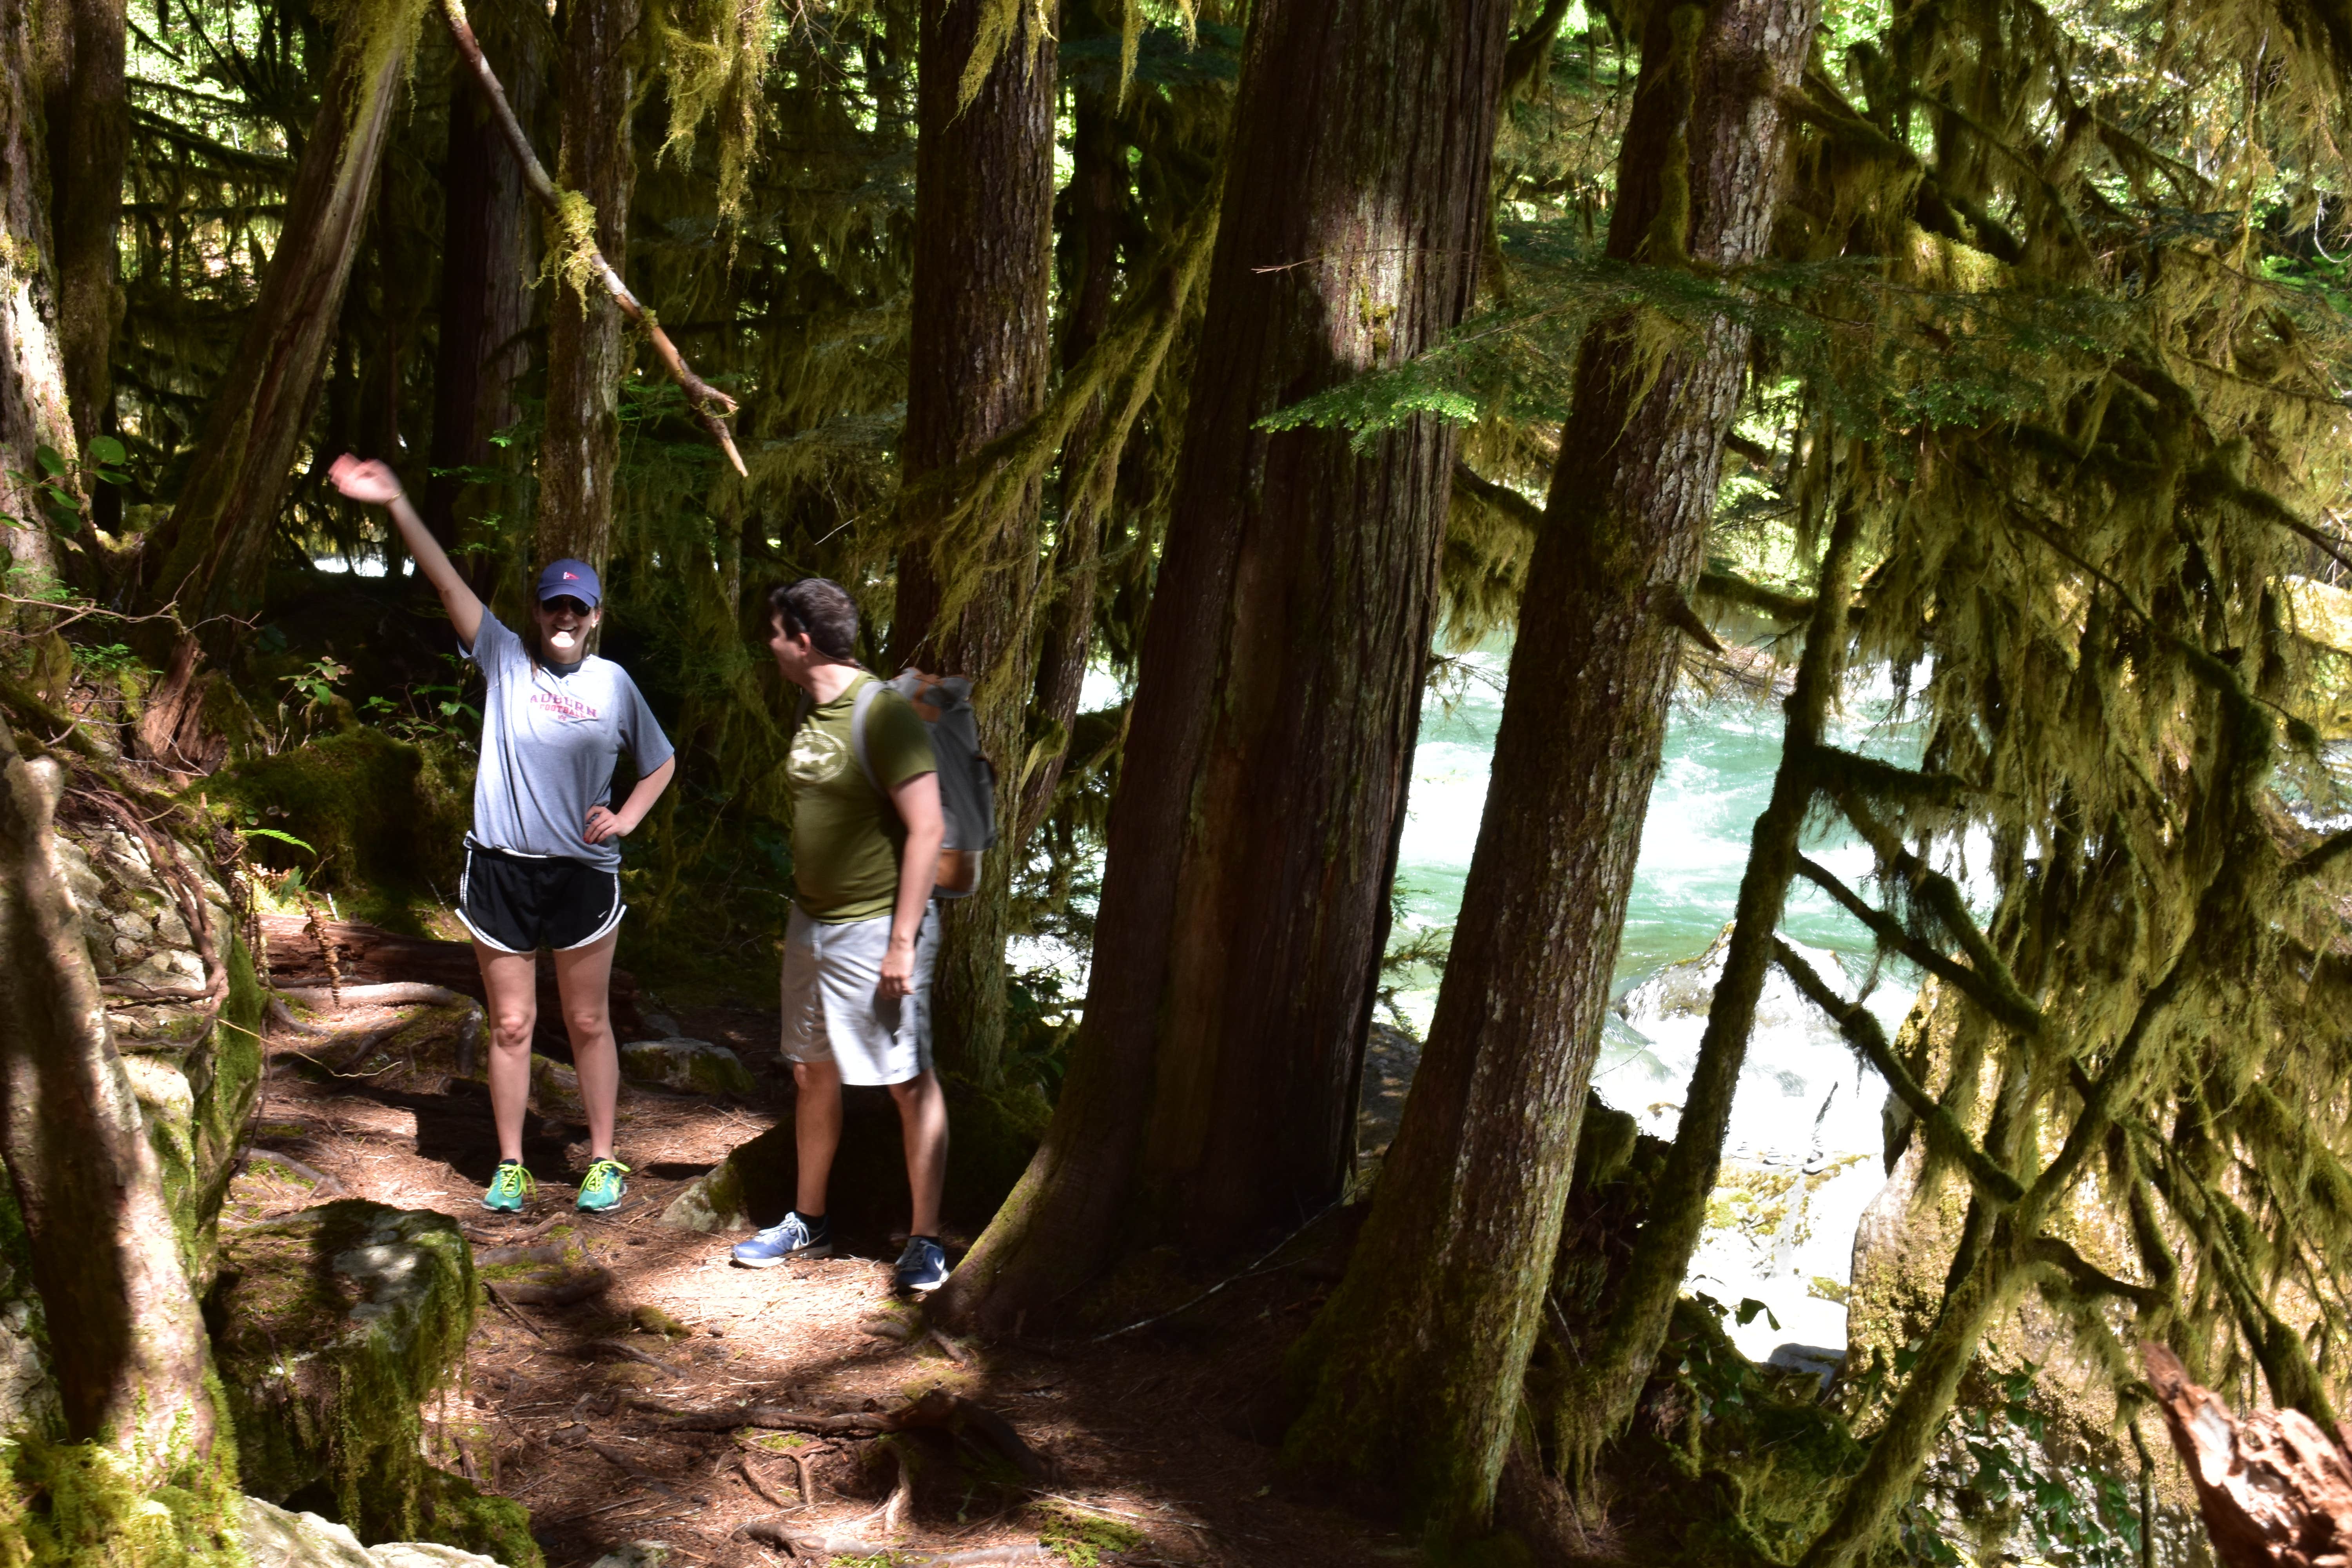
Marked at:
<point>510,1188</point>
<point>788,1237</point>
<point>923,1266</point>
<point>602,1187</point>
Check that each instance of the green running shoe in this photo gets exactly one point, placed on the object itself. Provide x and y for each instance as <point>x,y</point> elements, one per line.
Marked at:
<point>602,1187</point>
<point>510,1188</point>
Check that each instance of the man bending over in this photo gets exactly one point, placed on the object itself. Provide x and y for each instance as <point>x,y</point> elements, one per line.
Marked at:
<point>864,936</point>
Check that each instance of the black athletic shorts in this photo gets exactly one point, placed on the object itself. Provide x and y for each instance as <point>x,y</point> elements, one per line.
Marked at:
<point>520,903</point>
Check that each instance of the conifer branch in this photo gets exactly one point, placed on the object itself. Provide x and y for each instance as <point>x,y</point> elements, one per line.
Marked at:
<point>2087,1277</point>
<point>1856,1023</point>
<point>2002,1001</point>
<point>1731,588</point>
<point>709,405</point>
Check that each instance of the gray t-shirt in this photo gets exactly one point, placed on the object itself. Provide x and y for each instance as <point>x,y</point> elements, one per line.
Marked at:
<point>549,744</point>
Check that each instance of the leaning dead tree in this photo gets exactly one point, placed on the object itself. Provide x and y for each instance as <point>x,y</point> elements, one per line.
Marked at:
<point>2275,1488</point>
<point>584,260</point>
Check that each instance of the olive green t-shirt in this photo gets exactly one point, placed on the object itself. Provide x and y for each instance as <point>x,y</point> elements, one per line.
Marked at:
<point>847,834</point>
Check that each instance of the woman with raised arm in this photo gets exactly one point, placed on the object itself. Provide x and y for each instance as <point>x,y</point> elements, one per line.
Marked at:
<point>543,862</point>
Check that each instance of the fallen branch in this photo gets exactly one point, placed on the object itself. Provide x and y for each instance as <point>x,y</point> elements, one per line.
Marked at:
<point>499,1297</point>
<point>320,1184</point>
<point>614,1349</point>
<point>821,1546</point>
<point>390,993</point>
<point>710,405</point>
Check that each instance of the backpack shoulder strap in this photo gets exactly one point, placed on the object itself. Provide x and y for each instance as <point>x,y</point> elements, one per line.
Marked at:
<point>859,706</point>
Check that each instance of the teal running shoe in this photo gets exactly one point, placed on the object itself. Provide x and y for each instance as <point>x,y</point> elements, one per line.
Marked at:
<point>510,1188</point>
<point>602,1187</point>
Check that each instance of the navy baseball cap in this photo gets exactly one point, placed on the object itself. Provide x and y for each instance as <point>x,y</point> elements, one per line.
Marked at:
<point>576,578</point>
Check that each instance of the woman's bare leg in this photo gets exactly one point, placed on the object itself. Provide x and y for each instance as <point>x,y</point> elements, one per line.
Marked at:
<point>511,981</point>
<point>583,979</point>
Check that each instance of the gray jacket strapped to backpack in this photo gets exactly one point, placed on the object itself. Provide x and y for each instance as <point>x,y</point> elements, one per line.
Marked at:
<point>967,779</point>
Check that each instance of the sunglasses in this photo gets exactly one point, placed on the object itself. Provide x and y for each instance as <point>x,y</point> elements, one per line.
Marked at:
<point>561,603</point>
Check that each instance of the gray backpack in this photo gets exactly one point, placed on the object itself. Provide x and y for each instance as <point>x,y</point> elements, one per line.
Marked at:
<point>967,779</point>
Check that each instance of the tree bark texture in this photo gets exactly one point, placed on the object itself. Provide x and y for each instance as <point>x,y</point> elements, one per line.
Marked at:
<point>2275,1486</point>
<point>580,451</point>
<point>88,134</point>
<point>127,1342</point>
<point>1414,1368</point>
<point>979,355</point>
<point>1097,194</point>
<point>1609,1381</point>
<point>491,238</point>
<point>1282,665</point>
<point>36,409</point>
<point>213,556</point>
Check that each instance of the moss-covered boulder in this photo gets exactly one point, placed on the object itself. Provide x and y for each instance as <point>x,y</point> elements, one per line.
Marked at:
<point>377,812</point>
<point>696,1066</point>
<point>331,1327</point>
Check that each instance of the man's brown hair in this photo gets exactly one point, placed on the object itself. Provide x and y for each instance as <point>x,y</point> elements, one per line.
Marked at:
<point>822,611</point>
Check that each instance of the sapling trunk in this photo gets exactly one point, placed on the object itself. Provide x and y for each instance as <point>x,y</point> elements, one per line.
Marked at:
<point>1605,1394</point>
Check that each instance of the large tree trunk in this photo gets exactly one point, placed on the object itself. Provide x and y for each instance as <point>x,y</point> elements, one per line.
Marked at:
<point>1097,198</point>
<point>89,131</point>
<point>34,408</point>
<point>978,356</point>
<point>213,556</point>
<point>1416,1363</point>
<point>128,1342</point>
<point>1282,667</point>
<point>490,238</point>
<point>580,451</point>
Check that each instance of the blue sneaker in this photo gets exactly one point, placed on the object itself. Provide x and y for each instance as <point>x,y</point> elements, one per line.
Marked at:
<point>509,1188</point>
<point>923,1266</point>
<point>602,1188</point>
<point>788,1237</point>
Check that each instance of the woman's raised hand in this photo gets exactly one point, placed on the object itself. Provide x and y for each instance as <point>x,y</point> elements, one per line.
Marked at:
<point>368,481</point>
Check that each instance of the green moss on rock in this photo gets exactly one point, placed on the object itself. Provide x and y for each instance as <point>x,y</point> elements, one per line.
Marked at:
<point>333,1327</point>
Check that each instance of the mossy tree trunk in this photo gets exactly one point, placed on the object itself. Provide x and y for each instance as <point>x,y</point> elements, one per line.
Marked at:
<point>580,451</point>
<point>127,1342</point>
<point>1282,666</point>
<point>978,357</point>
<point>489,241</point>
<point>1096,198</point>
<point>1413,1370</point>
<point>89,133</point>
<point>213,556</point>
<point>34,408</point>
<point>1610,1377</point>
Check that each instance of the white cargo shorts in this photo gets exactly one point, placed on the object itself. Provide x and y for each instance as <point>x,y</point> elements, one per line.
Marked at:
<point>832,1008</point>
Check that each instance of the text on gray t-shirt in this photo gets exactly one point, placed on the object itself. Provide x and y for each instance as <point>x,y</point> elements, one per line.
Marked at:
<point>549,744</point>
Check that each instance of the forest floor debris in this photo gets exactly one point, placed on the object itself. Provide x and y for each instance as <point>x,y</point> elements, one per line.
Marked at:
<point>597,1409</point>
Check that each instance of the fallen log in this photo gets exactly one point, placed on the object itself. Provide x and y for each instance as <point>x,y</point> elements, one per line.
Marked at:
<point>370,955</point>
<point>2275,1488</point>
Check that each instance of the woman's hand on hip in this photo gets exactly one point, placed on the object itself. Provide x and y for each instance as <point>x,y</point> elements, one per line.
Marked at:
<point>604,825</point>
